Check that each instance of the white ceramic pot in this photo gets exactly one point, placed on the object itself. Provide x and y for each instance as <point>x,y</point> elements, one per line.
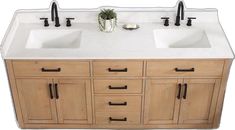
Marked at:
<point>107,25</point>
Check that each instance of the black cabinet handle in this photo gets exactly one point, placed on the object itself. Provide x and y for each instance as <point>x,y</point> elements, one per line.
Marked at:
<point>114,119</point>
<point>51,70</point>
<point>185,91</point>
<point>179,92</point>
<point>123,87</point>
<point>117,70</point>
<point>50,88</point>
<point>56,91</point>
<point>184,70</point>
<point>117,104</point>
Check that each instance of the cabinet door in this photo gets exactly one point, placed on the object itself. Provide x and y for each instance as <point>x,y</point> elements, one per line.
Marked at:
<point>35,100</point>
<point>74,101</point>
<point>199,102</point>
<point>161,102</point>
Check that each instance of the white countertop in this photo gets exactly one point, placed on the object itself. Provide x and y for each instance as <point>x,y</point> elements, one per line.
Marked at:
<point>120,44</point>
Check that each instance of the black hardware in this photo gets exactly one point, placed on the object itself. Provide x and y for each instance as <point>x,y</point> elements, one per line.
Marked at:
<point>50,88</point>
<point>117,70</point>
<point>184,70</point>
<point>46,23</point>
<point>189,23</point>
<point>185,91</point>
<point>113,119</point>
<point>56,91</point>
<point>68,22</point>
<point>117,104</point>
<point>166,21</point>
<point>54,11</point>
<point>124,87</point>
<point>178,17</point>
<point>179,92</point>
<point>51,70</point>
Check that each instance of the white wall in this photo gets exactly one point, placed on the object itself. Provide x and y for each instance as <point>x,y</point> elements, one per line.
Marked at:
<point>226,14</point>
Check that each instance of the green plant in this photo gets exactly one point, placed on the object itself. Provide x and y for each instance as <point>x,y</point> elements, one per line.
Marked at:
<point>107,14</point>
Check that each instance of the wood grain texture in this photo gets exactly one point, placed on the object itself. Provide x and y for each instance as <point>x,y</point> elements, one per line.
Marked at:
<point>161,104</point>
<point>33,68</point>
<point>134,68</point>
<point>84,94</point>
<point>219,105</point>
<point>74,103</point>
<point>199,105</point>
<point>203,68</point>
<point>132,86</point>
<point>14,93</point>
<point>35,101</point>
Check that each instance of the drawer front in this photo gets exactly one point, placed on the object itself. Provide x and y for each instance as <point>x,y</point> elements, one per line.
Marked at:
<point>118,86</point>
<point>51,68</point>
<point>185,68</point>
<point>118,68</point>
<point>121,118</point>
<point>118,103</point>
<point>118,109</point>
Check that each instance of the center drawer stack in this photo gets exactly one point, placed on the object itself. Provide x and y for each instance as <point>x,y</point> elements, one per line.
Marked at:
<point>118,89</point>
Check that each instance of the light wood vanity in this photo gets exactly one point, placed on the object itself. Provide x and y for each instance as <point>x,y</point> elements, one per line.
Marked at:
<point>118,93</point>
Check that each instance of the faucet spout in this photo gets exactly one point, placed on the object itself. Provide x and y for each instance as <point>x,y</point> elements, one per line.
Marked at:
<point>54,14</point>
<point>180,13</point>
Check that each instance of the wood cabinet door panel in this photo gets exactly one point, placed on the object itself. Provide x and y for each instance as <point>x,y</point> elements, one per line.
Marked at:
<point>74,102</point>
<point>161,103</point>
<point>35,101</point>
<point>199,105</point>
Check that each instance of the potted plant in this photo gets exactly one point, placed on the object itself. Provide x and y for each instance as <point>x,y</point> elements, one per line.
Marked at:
<point>107,19</point>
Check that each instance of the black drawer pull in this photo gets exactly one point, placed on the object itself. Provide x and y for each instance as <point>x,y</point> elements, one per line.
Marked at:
<point>117,104</point>
<point>123,87</point>
<point>51,70</point>
<point>50,88</point>
<point>113,119</point>
<point>185,91</point>
<point>117,70</point>
<point>179,92</point>
<point>184,70</point>
<point>56,91</point>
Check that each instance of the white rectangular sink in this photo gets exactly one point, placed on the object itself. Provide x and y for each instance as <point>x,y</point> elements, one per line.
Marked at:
<point>181,38</point>
<point>54,38</point>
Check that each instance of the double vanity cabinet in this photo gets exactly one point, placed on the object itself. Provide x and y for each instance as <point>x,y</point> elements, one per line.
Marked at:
<point>118,93</point>
<point>167,73</point>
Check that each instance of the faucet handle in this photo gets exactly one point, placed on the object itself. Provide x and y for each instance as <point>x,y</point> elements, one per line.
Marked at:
<point>166,21</point>
<point>189,23</point>
<point>68,22</point>
<point>46,23</point>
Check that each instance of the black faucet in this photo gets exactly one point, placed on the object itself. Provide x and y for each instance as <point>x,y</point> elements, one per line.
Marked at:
<point>178,17</point>
<point>54,14</point>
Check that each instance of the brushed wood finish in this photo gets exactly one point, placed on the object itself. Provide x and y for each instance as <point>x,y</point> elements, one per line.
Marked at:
<point>84,95</point>
<point>161,103</point>
<point>164,68</point>
<point>200,102</point>
<point>134,68</point>
<point>36,105</point>
<point>223,86</point>
<point>102,103</point>
<point>131,111</point>
<point>132,86</point>
<point>74,103</point>
<point>33,68</point>
<point>131,118</point>
<point>14,93</point>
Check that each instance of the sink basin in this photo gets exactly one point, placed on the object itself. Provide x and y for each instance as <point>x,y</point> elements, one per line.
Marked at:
<point>54,38</point>
<point>181,38</point>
